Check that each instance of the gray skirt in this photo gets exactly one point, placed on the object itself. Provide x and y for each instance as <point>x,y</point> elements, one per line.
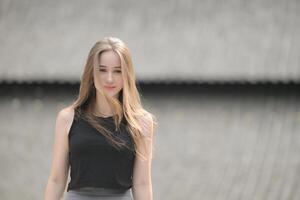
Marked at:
<point>92,193</point>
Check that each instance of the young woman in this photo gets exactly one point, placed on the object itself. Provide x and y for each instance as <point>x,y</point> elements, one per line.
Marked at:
<point>105,136</point>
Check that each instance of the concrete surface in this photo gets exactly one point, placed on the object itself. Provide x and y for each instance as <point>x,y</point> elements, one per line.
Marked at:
<point>211,143</point>
<point>183,40</point>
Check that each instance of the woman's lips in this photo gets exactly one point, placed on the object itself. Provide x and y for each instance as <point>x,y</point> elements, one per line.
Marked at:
<point>109,87</point>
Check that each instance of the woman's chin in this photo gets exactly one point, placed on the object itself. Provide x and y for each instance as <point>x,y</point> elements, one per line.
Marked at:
<point>112,94</point>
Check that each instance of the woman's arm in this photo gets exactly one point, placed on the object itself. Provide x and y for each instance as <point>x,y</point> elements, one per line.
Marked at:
<point>59,168</point>
<point>142,183</point>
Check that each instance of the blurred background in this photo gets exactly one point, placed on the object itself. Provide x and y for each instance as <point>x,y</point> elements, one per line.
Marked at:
<point>222,78</point>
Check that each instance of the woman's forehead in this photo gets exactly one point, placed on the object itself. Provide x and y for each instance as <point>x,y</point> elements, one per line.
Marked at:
<point>109,59</point>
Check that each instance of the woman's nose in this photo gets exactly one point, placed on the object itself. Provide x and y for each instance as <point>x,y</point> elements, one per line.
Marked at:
<point>109,77</point>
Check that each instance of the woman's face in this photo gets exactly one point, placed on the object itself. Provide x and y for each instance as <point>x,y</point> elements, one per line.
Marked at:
<point>108,74</point>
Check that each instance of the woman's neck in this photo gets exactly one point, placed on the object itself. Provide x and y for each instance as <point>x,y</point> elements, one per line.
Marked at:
<point>101,107</point>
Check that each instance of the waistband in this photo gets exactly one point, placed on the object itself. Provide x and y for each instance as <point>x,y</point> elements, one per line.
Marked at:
<point>99,191</point>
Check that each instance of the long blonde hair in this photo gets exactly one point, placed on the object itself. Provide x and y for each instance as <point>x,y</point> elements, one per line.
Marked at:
<point>139,121</point>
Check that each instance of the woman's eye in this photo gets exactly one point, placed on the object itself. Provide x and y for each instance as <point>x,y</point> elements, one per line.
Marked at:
<point>104,70</point>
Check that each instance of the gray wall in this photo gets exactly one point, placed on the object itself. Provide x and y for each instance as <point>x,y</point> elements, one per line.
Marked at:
<point>212,142</point>
<point>190,40</point>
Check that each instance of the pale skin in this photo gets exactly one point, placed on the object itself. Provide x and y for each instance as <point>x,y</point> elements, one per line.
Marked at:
<point>108,73</point>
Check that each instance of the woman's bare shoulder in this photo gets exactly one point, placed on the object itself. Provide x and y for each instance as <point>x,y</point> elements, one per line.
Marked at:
<point>65,116</point>
<point>147,121</point>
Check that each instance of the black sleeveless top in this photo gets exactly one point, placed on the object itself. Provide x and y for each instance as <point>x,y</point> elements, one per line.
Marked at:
<point>94,161</point>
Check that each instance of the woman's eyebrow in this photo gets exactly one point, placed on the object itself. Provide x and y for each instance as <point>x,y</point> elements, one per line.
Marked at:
<point>119,67</point>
